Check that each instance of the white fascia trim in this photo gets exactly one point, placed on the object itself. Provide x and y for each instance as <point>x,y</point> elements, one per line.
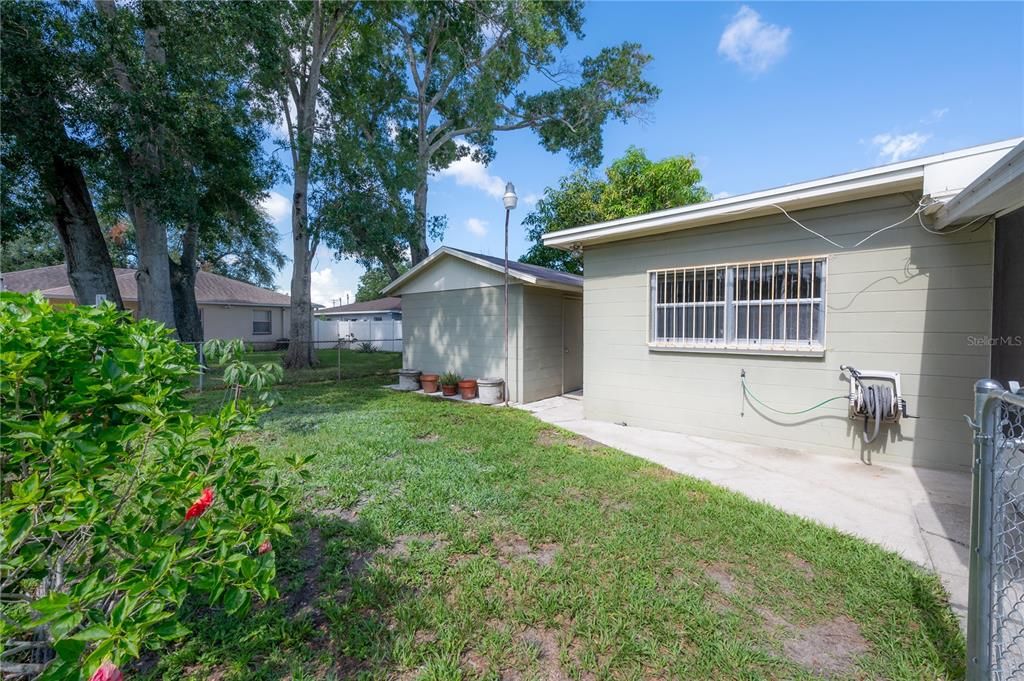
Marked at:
<point>811,193</point>
<point>443,251</point>
<point>1005,175</point>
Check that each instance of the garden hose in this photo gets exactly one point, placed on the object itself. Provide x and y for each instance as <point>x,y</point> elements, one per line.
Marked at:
<point>746,390</point>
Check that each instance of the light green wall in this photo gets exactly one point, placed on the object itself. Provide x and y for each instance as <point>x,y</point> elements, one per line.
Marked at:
<point>543,348</point>
<point>905,301</point>
<point>463,331</point>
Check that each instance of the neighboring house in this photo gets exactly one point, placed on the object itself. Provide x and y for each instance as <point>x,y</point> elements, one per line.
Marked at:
<point>682,302</point>
<point>228,308</point>
<point>375,321</point>
<point>454,318</point>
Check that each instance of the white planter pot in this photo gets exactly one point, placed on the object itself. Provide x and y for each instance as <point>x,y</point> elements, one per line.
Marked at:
<point>409,379</point>
<point>490,390</point>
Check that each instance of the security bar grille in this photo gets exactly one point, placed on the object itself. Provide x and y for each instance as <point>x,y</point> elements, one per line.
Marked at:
<point>995,612</point>
<point>770,305</point>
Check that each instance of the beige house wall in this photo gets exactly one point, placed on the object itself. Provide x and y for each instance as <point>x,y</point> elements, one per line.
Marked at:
<point>905,301</point>
<point>235,321</point>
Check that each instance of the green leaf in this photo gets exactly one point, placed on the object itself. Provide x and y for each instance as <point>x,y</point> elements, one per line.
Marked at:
<point>236,600</point>
<point>19,526</point>
<point>96,632</point>
<point>169,631</point>
<point>69,649</point>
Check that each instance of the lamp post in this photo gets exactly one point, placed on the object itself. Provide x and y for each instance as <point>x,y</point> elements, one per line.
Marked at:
<point>509,199</point>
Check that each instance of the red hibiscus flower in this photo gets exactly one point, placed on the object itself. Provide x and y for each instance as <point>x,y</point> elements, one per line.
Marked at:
<point>202,503</point>
<point>265,547</point>
<point>108,671</point>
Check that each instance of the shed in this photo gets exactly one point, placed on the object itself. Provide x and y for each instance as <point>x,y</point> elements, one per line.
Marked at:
<point>453,319</point>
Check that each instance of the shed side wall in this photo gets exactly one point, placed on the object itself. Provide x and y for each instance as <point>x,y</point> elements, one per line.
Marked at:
<point>463,331</point>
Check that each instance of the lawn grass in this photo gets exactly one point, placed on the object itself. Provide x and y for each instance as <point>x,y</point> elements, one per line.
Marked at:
<point>439,540</point>
<point>354,364</point>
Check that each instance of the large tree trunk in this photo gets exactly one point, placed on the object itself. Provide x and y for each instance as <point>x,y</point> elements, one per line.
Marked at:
<point>418,248</point>
<point>143,166</point>
<point>183,289</point>
<point>90,269</point>
<point>300,347</point>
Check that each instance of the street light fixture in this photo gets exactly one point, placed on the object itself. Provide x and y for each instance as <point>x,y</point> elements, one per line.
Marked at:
<point>510,200</point>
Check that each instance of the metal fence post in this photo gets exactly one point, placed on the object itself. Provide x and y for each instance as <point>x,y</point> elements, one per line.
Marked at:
<point>202,367</point>
<point>339,360</point>
<point>979,595</point>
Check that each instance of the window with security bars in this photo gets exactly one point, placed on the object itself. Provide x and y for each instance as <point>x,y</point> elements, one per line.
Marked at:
<point>770,305</point>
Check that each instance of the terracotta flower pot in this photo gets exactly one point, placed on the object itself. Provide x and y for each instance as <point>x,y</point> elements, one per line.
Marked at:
<point>467,389</point>
<point>447,390</point>
<point>429,382</point>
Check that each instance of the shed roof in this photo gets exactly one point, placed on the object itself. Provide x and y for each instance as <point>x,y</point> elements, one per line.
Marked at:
<point>519,272</point>
<point>211,289</point>
<point>390,304</point>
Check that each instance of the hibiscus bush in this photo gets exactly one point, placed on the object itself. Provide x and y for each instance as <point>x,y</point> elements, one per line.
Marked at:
<point>117,501</point>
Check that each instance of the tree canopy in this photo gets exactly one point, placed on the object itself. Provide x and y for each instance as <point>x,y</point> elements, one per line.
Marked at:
<point>632,185</point>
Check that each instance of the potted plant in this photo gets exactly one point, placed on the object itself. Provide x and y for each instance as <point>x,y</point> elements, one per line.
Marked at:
<point>428,382</point>
<point>449,383</point>
<point>467,388</point>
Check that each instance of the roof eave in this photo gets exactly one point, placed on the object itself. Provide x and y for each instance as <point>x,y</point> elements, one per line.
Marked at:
<point>443,251</point>
<point>997,191</point>
<point>759,204</point>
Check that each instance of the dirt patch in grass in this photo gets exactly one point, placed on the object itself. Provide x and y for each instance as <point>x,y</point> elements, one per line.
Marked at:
<point>720,575</point>
<point>311,557</point>
<point>401,546</point>
<point>659,473</point>
<point>549,437</point>
<point>429,437</point>
<point>829,648</point>
<point>512,547</point>
<point>800,565</point>
<point>542,645</point>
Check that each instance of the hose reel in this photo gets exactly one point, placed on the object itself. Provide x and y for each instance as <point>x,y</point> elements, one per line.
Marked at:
<point>875,396</point>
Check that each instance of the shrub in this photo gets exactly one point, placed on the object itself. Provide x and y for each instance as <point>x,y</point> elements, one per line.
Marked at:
<point>239,374</point>
<point>117,501</point>
<point>366,346</point>
<point>450,378</point>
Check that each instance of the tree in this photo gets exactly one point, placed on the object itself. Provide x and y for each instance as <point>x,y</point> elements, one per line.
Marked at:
<point>184,122</point>
<point>467,64</point>
<point>312,37</point>
<point>373,281</point>
<point>42,158</point>
<point>633,185</point>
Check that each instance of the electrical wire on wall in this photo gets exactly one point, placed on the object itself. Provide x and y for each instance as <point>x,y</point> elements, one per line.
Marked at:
<point>925,203</point>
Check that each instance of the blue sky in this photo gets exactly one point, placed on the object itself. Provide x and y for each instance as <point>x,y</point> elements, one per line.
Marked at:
<point>762,94</point>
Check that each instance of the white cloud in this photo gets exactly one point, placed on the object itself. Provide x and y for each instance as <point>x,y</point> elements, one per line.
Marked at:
<point>469,173</point>
<point>893,148</point>
<point>720,195</point>
<point>531,199</point>
<point>751,43</point>
<point>276,206</point>
<point>476,226</point>
<point>326,289</point>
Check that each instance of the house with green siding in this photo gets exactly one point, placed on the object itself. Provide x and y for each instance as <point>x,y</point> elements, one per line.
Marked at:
<point>729,319</point>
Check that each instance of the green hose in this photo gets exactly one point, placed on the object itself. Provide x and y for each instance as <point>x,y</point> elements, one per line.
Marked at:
<point>752,396</point>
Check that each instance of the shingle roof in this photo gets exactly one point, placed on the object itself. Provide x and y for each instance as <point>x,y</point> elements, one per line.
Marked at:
<point>533,270</point>
<point>210,288</point>
<point>390,304</point>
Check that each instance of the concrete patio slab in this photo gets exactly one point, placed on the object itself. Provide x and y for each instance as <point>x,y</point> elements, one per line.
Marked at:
<point>922,514</point>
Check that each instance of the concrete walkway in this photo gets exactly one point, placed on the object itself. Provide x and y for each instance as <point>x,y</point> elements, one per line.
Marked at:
<point>924,515</point>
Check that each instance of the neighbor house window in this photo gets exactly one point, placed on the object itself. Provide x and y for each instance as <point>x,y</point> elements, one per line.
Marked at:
<point>261,322</point>
<point>771,305</point>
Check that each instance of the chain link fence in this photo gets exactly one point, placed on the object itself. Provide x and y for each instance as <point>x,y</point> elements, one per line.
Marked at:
<point>995,618</point>
<point>336,360</point>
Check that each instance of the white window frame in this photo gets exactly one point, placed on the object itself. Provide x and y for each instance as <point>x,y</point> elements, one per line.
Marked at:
<point>269,321</point>
<point>730,343</point>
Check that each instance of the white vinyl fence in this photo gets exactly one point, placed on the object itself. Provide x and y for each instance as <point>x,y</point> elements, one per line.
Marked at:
<point>385,334</point>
